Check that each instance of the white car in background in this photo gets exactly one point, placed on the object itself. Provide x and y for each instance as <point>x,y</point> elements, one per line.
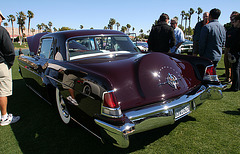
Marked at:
<point>187,47</point>
<point>143,46</point>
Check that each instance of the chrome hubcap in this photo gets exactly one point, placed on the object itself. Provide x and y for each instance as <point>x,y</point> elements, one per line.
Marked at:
<point>63,108</point>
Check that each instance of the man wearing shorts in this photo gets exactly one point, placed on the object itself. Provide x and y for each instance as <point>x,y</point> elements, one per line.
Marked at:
<point>7,57</point>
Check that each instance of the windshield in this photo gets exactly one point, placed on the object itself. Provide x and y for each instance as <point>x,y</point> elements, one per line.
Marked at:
<point>89,46</point>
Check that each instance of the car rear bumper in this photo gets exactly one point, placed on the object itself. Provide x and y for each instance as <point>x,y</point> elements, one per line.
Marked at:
<point>158,115</point>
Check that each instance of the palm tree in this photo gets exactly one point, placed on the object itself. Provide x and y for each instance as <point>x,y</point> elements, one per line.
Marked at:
<point>118,25</point>
<point>50,26</point>
<point>46,28</point>
<point>123,29</point>
<point>111,23</point>
<point>54,29</point>
<point>33,31</point>
<point>199,11</point>
<point>133,29</point>
<point>182,15</point>
<point>5,24</point>
<point>105,27</point>
<point>191,12</point>
<point>186,17</point>
<point>11,18</point>
<point>109,26</point>
<point>39,27</point>
<point>30,16</point>
<point>21,17</point>
<point>81,26</point>
<point>141,31</point>
<point>43,27</point>
<point>128,27</point>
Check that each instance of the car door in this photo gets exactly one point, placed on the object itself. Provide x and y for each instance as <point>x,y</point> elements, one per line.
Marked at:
<point>35,67</point>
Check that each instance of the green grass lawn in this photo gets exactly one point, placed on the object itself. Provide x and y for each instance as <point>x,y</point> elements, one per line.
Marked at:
<point>213,128</point>
<point>23,46</point>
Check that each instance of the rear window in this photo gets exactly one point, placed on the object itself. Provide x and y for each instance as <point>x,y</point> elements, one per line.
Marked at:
<point>87,46</point>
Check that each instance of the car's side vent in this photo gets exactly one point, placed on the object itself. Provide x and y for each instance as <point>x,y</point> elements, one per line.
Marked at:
<point>210,74</point>
<point>110,106</point>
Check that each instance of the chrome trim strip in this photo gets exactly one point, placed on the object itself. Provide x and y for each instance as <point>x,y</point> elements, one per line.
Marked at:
<point>30,70</point>
<point>38,94</point>
<point>86,128</point>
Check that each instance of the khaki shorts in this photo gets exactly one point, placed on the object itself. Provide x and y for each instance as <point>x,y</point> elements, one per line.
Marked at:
<point>5,80</point>
<point>68,81</point>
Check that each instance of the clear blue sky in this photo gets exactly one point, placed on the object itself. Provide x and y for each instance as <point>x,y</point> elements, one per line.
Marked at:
<point>140,14</point>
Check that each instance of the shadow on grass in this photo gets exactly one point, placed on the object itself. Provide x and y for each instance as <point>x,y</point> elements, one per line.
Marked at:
<point>218,68</point>
<point>40,129</point>
<point>232,112</point>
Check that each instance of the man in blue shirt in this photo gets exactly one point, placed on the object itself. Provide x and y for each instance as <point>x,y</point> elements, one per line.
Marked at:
<point>178,35</point>
<point>212,38</point>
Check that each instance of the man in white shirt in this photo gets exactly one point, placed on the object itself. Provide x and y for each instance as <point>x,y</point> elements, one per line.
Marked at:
<point>178,35</point>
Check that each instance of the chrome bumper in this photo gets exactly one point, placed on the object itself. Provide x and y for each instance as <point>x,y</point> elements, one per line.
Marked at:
<point>157,115</point>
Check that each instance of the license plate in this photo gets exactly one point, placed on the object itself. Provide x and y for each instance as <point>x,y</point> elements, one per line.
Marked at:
<point>182,111</point>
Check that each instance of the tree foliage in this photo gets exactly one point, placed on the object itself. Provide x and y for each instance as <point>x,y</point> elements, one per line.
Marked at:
<point>64,29</point>
<point>21,17</point>
<point>112,22</point>
<point>30,16</point>
<point>199,11</point>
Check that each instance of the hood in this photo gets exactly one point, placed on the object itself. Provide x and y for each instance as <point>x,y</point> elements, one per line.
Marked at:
<point>141,79</point>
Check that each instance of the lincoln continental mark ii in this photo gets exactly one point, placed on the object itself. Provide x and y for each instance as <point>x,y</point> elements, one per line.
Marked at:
<point>100,80</point>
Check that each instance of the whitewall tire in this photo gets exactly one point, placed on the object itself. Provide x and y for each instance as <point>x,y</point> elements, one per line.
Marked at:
<point>62,108</point>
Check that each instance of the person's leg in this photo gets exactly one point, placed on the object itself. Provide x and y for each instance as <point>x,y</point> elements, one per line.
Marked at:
<point>195,48</point>
<point>238,75</point>
<point>5,87</point>
<point>215,63</point>
<point>6,118</point>
<point>235,75</point>
<point>226,63</point>
<point>5,91</point>
<point>3,105</point>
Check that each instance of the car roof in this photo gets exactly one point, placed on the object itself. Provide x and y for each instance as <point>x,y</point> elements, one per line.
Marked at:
<point>74,33</point>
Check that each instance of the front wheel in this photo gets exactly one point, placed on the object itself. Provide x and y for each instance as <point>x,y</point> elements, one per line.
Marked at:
<point>62,108</point>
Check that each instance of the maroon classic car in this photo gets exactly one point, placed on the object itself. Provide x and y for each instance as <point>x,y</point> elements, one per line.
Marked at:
<point>100,80</point>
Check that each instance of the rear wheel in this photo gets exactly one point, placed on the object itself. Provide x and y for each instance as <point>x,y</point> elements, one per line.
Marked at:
<point>62,108</point>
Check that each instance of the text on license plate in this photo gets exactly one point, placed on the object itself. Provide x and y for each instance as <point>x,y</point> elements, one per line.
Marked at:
<point>182,111</point>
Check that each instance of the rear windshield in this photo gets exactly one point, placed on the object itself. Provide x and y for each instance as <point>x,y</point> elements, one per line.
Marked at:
<point>87,46</point>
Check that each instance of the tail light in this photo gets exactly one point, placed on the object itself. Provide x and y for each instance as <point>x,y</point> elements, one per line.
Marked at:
<point>210,74</point>
<point>110,106</point>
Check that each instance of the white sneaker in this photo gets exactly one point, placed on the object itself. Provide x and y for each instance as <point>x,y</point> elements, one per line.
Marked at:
<point>10,120</point>
<point>72,100</point>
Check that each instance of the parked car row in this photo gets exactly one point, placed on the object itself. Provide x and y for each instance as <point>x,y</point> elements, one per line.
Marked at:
<point>187,47</point>
<point>143,46</point>
<point>102,81</point>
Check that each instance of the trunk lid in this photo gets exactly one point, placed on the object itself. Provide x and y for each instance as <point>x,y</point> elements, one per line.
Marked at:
<point>142,79</point>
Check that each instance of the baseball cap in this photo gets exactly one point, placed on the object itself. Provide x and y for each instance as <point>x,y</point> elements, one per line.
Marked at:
<point>3,18</point>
